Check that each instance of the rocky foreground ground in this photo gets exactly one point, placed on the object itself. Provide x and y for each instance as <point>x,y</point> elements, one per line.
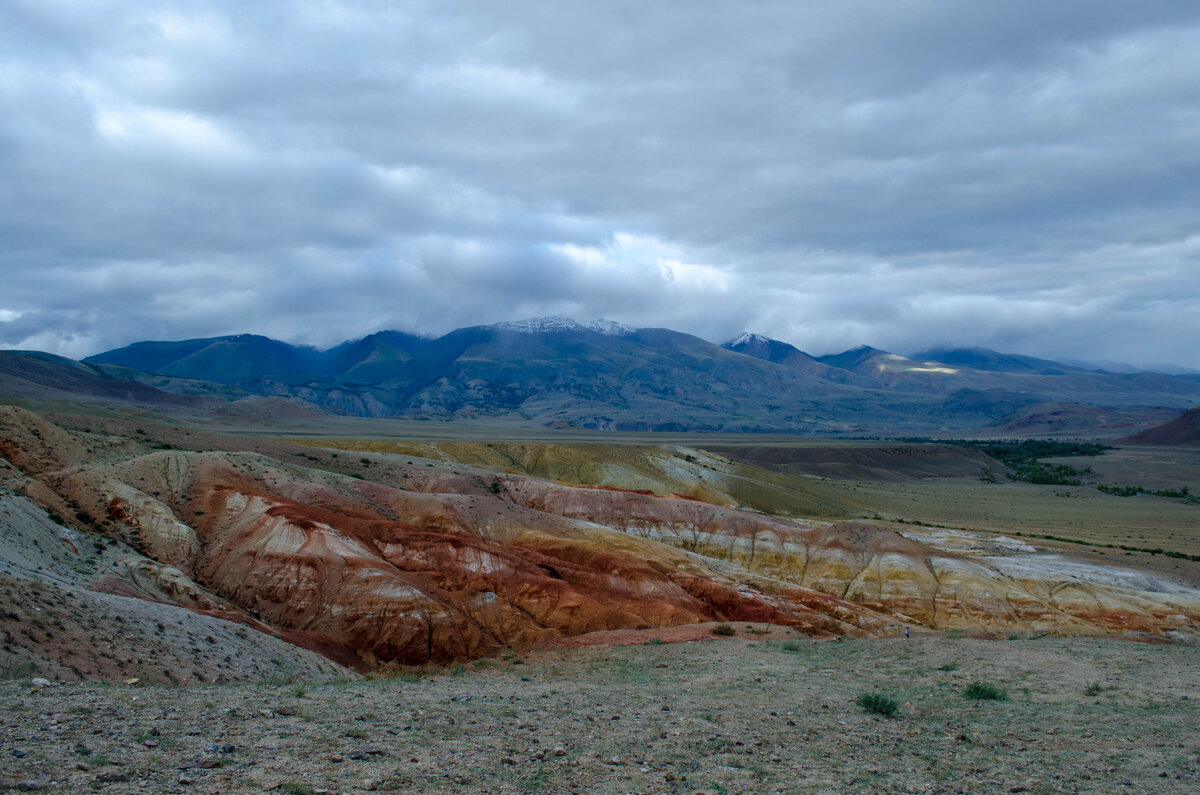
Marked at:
<point>770,713</point>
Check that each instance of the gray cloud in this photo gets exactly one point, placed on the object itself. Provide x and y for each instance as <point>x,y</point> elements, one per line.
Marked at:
<point>1018,175</point>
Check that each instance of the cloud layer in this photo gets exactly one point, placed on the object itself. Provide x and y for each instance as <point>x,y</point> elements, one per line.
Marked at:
<point>1018,175</point>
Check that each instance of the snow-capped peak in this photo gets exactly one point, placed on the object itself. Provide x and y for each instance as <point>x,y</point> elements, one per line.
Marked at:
<point>747,338</point>
<point>541,325</point>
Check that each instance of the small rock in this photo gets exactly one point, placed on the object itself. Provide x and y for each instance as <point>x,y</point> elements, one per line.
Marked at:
<point>540,755</point>
<point>337,758</point>
<point>1019,788</point>
<point>371,784</point>
<point>134,682</point>
<point>28,786</point>
<point>83,767</point>
<point>508,760</point>
<point>184,780</point>
<point>560,751</point>
<point>661,665</point>
<point>20,754</point>
<point>613,760</point>
<point>208,764</point>
<point>150,743</point>
<point>285,710</point>
<point>112,777</point>
<point>38,681</point>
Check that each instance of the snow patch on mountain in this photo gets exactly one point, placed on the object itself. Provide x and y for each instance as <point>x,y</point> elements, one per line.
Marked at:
<point>746,338</point>
<point>543,325</point>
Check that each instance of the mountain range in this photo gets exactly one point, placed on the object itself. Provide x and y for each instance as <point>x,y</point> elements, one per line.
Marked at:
<point>555,372</point>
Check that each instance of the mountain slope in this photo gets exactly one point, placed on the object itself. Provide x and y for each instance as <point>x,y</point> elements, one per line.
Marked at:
<point>559,373</point>
<point>225,360</point>
<point>986,359</point>
<point>33,375</point>
<point>778,352</point>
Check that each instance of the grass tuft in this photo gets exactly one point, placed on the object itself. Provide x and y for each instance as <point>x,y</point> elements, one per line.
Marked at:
<point>723,630</point>
<point>878,704</point>
<point>985,691</point>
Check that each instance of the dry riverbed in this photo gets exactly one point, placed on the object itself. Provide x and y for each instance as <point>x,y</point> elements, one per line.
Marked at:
<point>737,714</point>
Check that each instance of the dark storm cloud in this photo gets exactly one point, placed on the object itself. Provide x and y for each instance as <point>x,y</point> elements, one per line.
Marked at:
<point>1019,175</point>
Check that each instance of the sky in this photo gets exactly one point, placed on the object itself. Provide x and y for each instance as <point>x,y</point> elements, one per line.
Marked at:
<point>1023,176</point>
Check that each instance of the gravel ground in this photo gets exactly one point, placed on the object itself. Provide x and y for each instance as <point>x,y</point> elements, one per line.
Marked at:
<point>738,714</point>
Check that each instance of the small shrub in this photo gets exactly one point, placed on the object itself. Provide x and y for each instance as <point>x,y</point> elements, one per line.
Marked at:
<point>12,668</point>
<point>985,691</point>
<point>1094,689</point>
<point>789,645</point>
<point>298,691</point>
<point>949,667</point>
<point>878,704</point>
<point>723,630</point>
<point>654,642</point>
<point>296,788</point>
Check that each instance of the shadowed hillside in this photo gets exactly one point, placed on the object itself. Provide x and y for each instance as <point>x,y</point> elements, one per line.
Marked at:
<point>1183,431</point>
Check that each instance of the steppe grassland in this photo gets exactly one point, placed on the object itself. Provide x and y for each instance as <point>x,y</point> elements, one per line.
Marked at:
<point>731,714</point>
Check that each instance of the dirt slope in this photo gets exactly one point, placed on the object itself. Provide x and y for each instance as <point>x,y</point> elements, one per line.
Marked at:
<point>1183,431</point>
<point>418,561</point>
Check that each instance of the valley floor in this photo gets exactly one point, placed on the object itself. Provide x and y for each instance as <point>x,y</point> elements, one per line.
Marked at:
<point>737,714</point>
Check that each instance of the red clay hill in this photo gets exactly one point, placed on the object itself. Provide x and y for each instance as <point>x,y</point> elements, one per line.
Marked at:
<point>1183,431</point>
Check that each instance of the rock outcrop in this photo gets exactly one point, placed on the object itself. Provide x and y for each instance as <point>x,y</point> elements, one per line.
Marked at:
<point>438,563</point>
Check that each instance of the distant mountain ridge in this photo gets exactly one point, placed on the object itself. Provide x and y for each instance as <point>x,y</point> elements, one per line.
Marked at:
<point>562,373</point>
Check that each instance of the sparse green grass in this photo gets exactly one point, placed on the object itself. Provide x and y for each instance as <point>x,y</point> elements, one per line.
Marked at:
<point>724,630</point>
<point>878,704</point>
<point>985,691</point>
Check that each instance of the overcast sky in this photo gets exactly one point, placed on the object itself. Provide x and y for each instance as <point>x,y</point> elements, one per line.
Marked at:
<point>1019,175</point>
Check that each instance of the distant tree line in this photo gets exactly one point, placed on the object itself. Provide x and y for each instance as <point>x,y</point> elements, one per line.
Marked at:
<point>1022,456</point>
